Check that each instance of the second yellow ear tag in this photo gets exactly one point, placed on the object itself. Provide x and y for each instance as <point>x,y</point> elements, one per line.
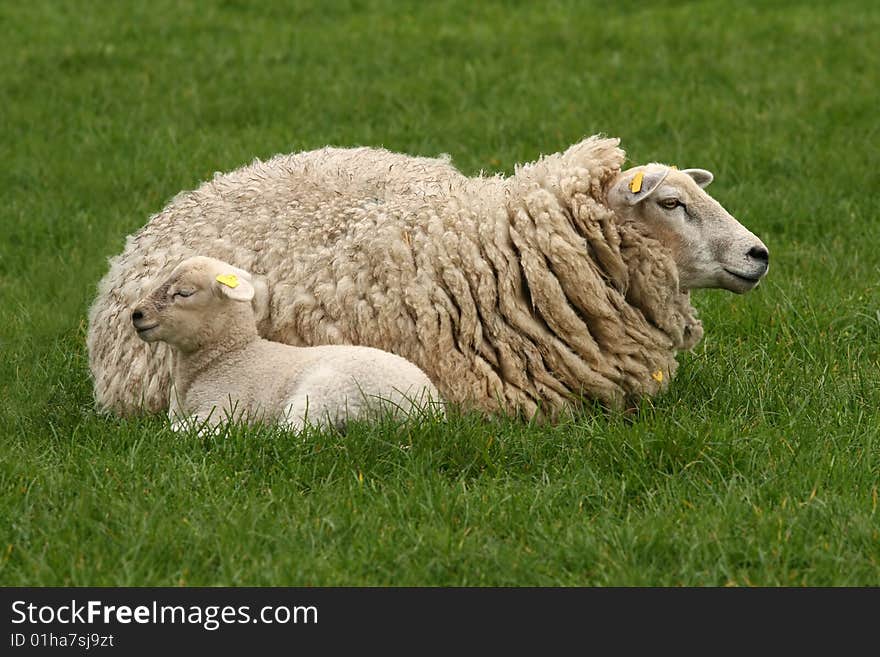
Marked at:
<point>658,376</point>
<point>229,280</point>
<point>636,185</point>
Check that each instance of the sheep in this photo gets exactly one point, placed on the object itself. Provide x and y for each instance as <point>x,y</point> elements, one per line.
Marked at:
<point>568,281</point>
<point>224,371</point>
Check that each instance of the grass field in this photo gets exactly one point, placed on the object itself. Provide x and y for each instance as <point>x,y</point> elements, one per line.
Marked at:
<point>760,466</point>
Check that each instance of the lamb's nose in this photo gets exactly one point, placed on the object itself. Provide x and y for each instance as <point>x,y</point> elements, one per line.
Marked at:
<point>759,253</point>
<point>136,316</point>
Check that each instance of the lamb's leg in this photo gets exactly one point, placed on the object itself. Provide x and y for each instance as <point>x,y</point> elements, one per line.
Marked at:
<point>180,421</point>
<point>321,400</point>
<point>296,412</point>
<point>303,408</point>
<point>204,422</point>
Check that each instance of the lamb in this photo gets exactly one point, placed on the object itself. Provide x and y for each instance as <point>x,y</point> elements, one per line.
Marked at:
<point>568,280</point>
<point>224,371</point>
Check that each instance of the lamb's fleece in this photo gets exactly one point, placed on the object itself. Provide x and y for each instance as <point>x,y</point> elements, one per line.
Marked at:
<point>223,370</point>
<point>519,293</point>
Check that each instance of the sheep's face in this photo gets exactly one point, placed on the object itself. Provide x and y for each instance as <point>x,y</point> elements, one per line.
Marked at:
<point>195,304</point>
<point>710,247</point>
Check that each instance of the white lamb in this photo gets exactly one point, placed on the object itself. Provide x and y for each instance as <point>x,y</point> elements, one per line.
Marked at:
<point>223,370</point>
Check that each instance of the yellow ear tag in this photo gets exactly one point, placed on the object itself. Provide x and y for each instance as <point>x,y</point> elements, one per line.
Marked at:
<point>636,185</point>
<point>658,376</point>
<point>229,280</point>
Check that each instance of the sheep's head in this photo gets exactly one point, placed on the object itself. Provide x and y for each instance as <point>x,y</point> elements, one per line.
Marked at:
<point>710,247</point>
<point>198,301</point>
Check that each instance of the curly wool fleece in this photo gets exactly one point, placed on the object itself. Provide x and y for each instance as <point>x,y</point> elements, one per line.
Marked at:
<point>518,293</point>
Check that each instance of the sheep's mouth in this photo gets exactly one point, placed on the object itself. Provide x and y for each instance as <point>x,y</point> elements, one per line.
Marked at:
<point>751,280</point>
<point>142,330</point>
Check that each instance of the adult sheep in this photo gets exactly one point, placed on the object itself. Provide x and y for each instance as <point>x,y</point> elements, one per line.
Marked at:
<point>569,279</point>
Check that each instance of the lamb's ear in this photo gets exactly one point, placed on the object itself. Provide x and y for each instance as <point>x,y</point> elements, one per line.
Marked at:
<point>700,176</point>
<point>237,288</point>
<point>260,300</point>
<point>636,185</point>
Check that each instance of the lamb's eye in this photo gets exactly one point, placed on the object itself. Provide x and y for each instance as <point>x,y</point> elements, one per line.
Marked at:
<point>184,293</point>
<point>670,203</point>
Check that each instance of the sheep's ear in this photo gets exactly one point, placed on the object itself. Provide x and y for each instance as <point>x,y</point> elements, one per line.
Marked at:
<point>260,302</point>
<point>237,288</point>
<point>634,186</point>
<point>700,176</point>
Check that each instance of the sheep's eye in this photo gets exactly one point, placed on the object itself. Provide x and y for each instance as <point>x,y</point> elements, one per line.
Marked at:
<point>184,293</point>
<point>670,203</point>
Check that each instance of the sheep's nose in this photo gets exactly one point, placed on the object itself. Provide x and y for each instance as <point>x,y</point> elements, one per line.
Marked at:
<point>759,253</point>
<point>137,316</point>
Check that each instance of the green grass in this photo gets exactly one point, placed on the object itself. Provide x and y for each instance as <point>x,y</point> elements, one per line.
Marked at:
<point>760,466</point>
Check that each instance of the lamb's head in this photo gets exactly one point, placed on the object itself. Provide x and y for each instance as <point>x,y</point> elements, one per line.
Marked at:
<point>710,247</point>
<point>200,300</point>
